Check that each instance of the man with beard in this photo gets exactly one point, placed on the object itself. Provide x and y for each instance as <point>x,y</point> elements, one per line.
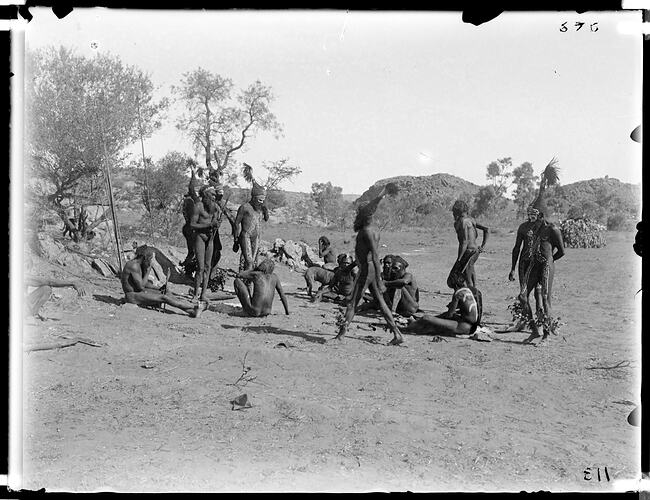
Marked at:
<point>205,220</point>
<point>247,230</point>
<point>138,290</point>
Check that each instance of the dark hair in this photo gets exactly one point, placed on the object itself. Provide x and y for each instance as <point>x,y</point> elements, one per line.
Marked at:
<point>266,266</point>
<point>325,240</point>
<point>460,206</point>
<point>144,251</point>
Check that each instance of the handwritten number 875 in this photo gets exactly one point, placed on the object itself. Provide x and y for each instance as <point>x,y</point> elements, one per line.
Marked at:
<point>578,25</point>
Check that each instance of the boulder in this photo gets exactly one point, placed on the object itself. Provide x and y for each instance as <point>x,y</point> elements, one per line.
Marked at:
<point>265,249</point>
<point>104,268</point>
<point>292,250</point>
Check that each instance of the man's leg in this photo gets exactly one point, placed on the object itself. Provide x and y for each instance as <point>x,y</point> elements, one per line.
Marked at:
<point>188,234</point>
<point>407,305</point>
<point>433,325</point>
<point>546,287</point>
<point>36,299</point>
<point>533,277</point>
<point>208,268</point>
<point>152,298</point>
<point>397,335</point>
<point>357,293</point>
<point>199,249</point>
<point>309,280</point>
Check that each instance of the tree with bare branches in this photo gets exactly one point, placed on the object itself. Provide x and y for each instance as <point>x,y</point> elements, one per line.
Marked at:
<point>221,120</point>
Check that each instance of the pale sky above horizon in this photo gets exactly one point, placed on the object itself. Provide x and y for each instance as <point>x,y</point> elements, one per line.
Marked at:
<point>368,95</point>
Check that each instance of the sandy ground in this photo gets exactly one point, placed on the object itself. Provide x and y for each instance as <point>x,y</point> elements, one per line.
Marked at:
<point>149,410</point>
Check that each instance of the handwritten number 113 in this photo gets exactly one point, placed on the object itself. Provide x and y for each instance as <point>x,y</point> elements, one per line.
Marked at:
<point>588,472</point>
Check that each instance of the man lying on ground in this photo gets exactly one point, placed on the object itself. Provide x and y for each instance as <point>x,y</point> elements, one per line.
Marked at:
<point>138,290</point>
<point>264,283</point>
<point>341,285</point>
<point>38,297</point>
<point>462,318</point>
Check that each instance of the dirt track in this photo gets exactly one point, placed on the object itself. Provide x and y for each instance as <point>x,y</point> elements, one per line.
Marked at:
<point>149,411</point>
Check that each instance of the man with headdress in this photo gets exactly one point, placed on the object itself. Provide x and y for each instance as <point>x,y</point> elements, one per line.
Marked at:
<point>544,245</point>
<point>367,259</point>
<point>190,198</point>
<point>468,249</point>
<point>205,219</point>
<point>247,231</point>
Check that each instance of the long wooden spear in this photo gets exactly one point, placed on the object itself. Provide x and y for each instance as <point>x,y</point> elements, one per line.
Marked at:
<point>107,173</point>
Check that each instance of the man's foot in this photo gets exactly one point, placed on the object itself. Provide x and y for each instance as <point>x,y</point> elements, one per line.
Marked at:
<point>336,340</point>
<point>532,337</point>
<point>396,341</point>
<point>194,313</point>
<point>516,327</point>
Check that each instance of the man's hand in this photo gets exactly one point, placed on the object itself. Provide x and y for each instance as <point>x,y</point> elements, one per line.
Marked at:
<point>511,276</point>
<point>381,286</point>
<point>80,290</point>
<point>481,249</point>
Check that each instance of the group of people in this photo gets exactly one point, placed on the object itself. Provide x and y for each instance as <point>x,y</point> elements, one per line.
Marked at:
<point>361,281</point>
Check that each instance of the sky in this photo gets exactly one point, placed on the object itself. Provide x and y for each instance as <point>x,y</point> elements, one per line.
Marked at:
<point>364,96</point>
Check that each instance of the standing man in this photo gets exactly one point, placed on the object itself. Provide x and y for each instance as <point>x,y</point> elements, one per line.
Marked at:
<point>204,221</point>
<point>189,200</point>
<point>247,230</point>
<point>468,250</point>
<point>367,259</point>
<point>222,210</point>
<point>522,252</point>
<point>545,246</point>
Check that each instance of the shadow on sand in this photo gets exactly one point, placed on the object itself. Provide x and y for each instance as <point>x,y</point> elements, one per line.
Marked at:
<point>278,331</point>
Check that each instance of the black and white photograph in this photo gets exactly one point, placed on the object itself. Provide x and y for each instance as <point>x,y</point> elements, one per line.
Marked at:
<point>325,251</point>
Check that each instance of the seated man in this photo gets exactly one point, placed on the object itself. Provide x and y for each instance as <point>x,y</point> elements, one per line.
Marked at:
<point>139,290</point>
<point>386,264</point>
<point>317,274</point>
<point>264,284</point>
<point>461,319</point>
<point>342,283</point>
<point>402,293</point>
<point>326,252</point>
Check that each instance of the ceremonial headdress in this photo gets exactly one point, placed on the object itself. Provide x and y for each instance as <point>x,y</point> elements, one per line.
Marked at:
<point>549,178</point>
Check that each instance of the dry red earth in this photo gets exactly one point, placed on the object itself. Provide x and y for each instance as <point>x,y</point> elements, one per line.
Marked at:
<point>150,411</point>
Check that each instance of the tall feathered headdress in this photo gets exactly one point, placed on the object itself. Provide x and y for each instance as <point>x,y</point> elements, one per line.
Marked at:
<point>550,177</point>
<point>247,173</point>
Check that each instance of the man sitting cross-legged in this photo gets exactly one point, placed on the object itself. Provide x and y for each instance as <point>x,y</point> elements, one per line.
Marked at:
<point>341,285</point>
<point>264,283</point>
<point>462,318</point>
<point>138,290</point>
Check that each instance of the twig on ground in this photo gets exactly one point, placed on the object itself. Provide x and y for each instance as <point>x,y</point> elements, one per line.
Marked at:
<point>620,364</point>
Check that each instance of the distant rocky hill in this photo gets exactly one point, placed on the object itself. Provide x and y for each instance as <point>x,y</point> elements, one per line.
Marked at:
<point>439,190</point>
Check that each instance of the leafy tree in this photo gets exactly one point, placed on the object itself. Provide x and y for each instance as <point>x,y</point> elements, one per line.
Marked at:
<point>220,120</point>
<point>484,201</point>
<point>167,185</point>
<point>279,171</point>
<point>498,172</point>
<point>525,180</point>
<point>327,199</point>
<point>80,115</point>
<point>275,198</point>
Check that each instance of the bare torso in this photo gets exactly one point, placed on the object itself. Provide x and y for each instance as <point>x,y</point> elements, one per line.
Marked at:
<point>466,228</point>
